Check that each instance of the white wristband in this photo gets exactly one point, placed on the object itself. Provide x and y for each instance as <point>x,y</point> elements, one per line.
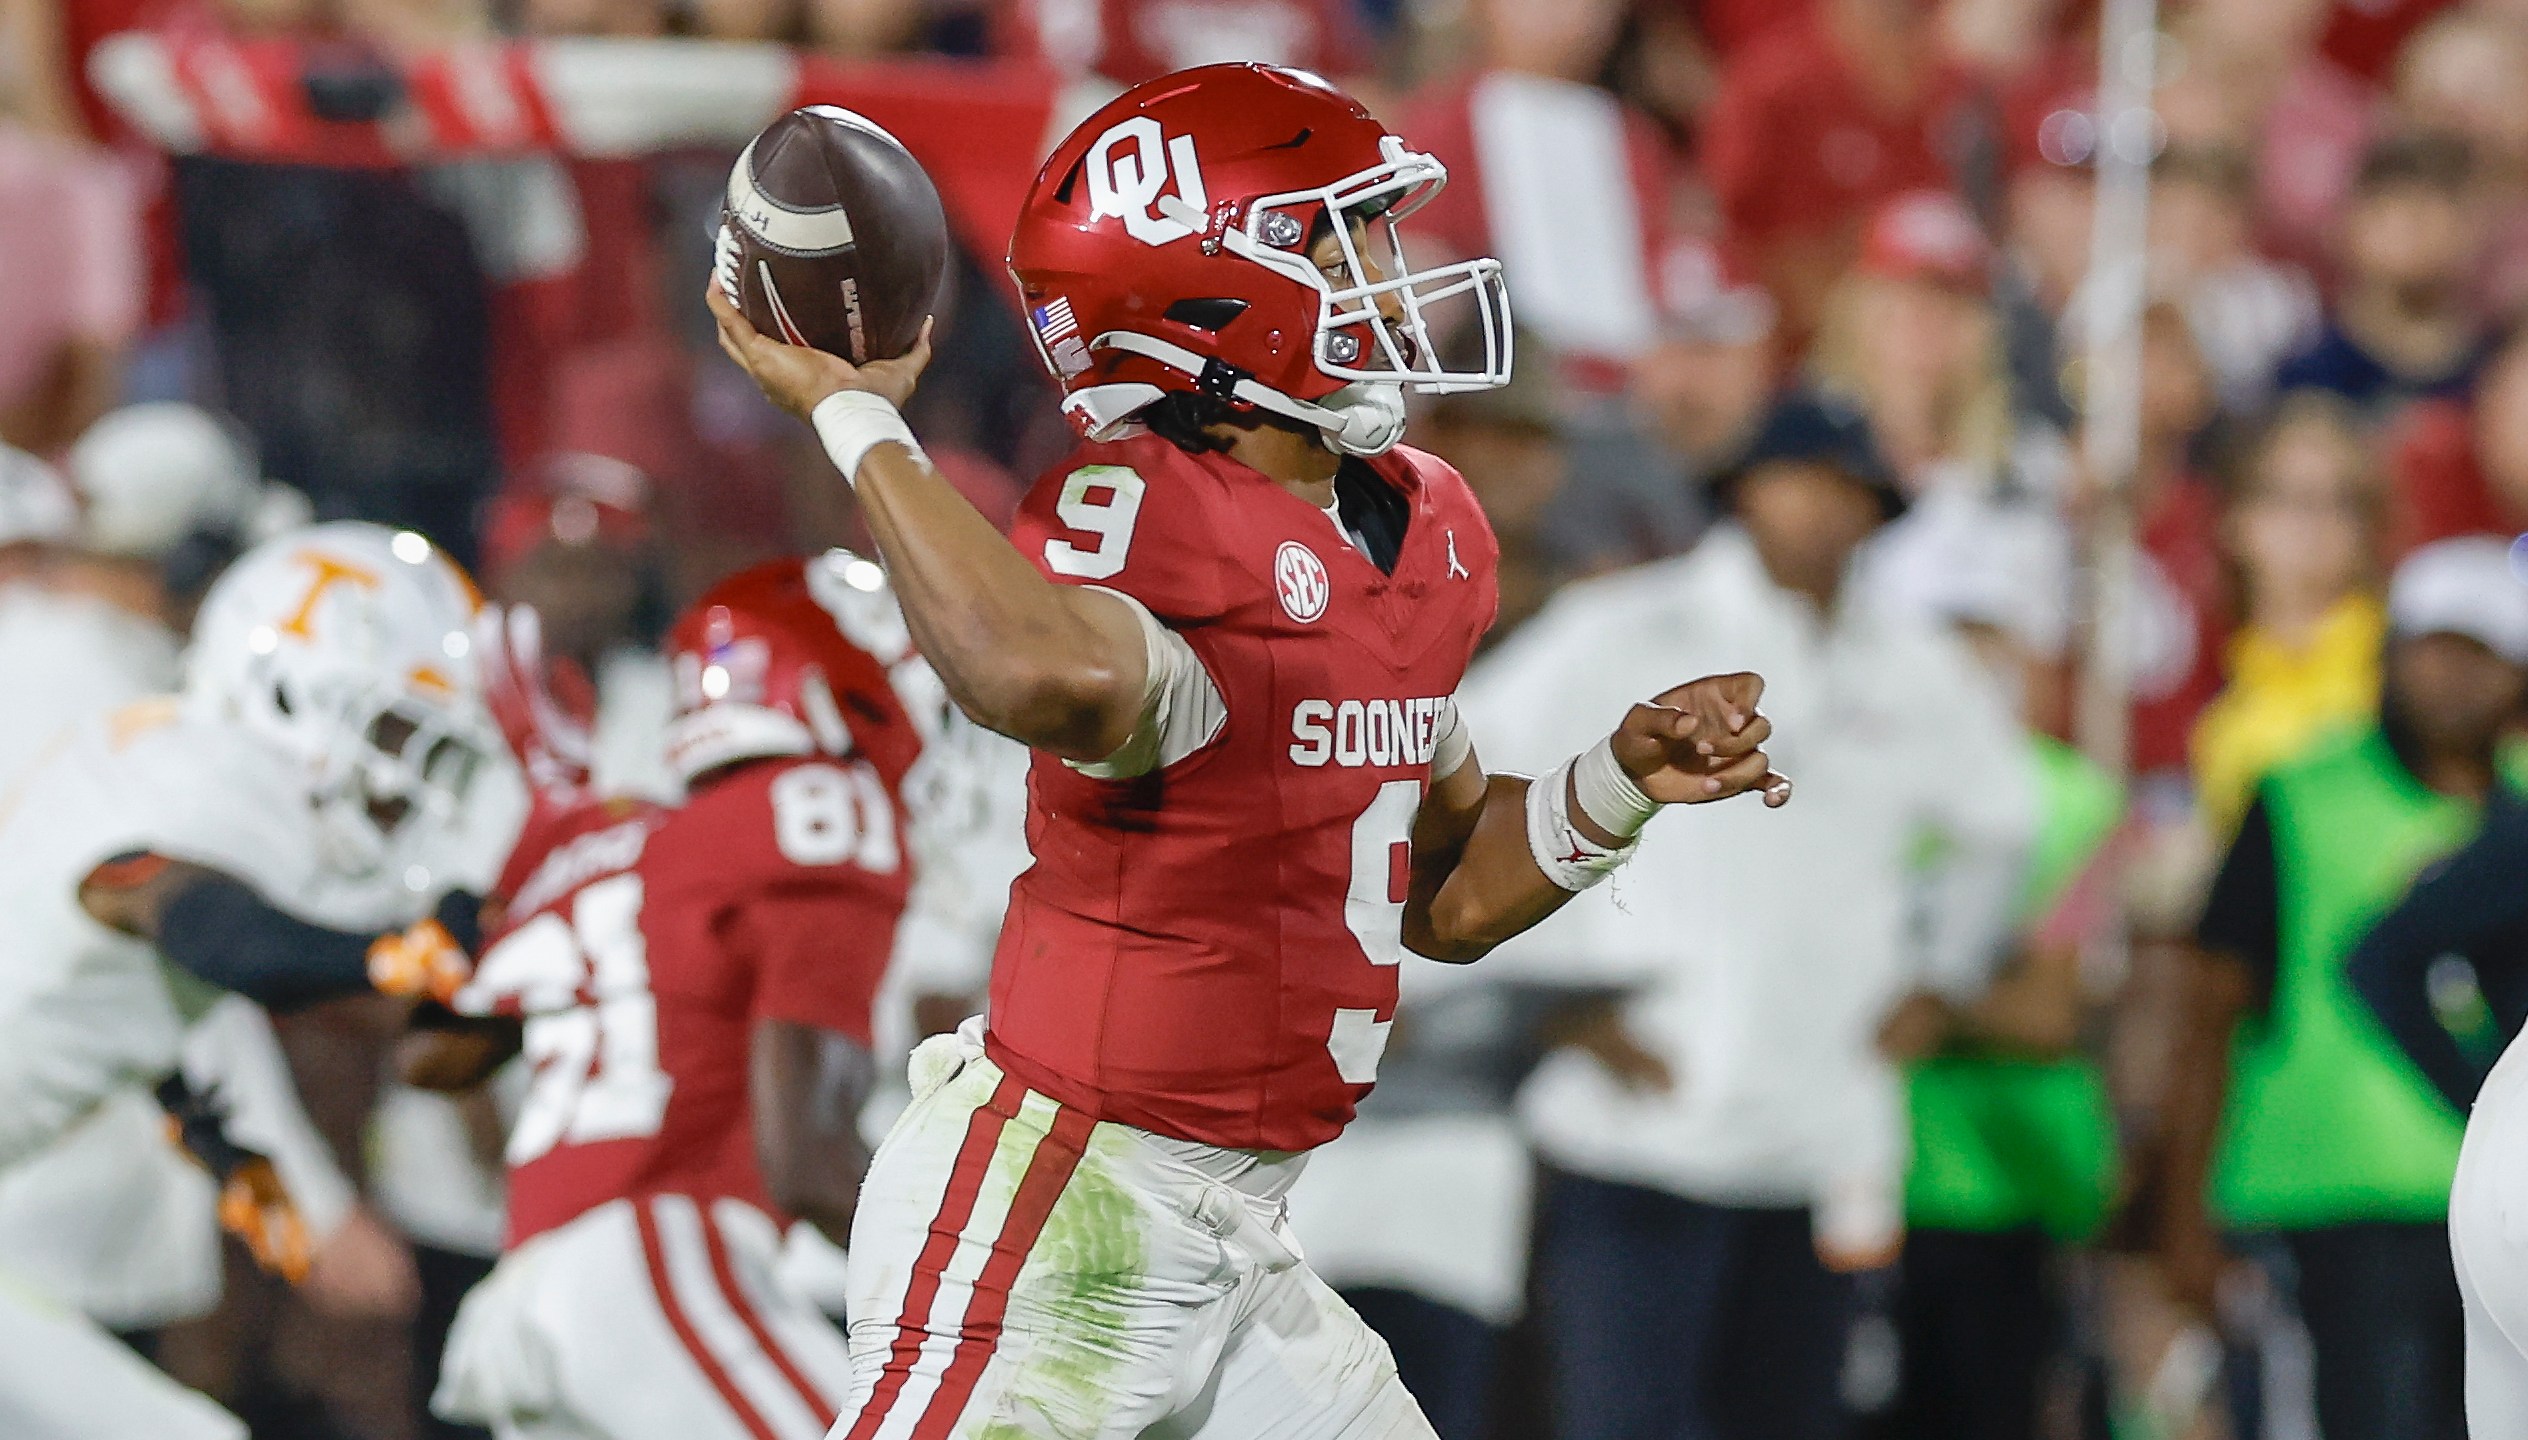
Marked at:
<point>1607,795</point>
<point>852,422</point>
<point>1569,859</point>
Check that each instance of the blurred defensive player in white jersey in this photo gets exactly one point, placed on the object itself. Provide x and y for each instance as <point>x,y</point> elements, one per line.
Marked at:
<point>1230,626</point>
<point>94,591</point>
<point>250,834</point>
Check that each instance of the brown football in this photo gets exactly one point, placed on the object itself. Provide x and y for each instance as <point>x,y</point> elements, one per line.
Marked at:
<point>831,235</point>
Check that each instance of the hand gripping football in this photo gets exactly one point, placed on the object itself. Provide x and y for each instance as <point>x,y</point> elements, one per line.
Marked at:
<point>831,236</point>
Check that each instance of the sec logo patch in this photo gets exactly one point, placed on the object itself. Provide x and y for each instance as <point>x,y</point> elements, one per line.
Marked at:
<point>1299,579</point>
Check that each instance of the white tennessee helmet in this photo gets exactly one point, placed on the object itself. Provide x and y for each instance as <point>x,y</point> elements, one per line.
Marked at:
<point>350,646</point>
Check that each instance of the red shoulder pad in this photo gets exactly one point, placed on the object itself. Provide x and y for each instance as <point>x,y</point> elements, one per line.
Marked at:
<point>1134,516</point>
<point>1454,501</point>
<point>1474,552</point>
<point>526,885</point>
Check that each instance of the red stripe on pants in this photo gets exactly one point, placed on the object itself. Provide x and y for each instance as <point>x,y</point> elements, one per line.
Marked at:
<point>676,1321</point>
<point>723,1272</point>
<point>956,1207</point>
<point>980,1333</point>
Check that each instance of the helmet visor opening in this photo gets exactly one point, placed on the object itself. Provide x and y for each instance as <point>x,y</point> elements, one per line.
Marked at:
<point>414,757</point>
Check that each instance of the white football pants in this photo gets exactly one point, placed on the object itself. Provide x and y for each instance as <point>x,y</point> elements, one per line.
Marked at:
<point>655,1319</point>
<point>1022,1272</point>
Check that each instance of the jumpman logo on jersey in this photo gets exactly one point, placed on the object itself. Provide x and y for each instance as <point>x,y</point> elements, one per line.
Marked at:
<point>1456,569</point>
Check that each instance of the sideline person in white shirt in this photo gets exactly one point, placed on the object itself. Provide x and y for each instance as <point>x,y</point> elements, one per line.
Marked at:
<point>1730,1136</point>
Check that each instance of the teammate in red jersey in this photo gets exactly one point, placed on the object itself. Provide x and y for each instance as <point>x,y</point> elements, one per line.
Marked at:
<point>1230,626</point>
<point>695,988</point>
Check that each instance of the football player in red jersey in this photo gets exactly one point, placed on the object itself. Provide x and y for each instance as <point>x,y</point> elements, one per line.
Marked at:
<point>1230,626</point>
<point>695,988</point>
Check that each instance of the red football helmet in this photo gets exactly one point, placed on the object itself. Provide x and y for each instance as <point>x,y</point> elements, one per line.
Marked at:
<point>797,657</point>
<point>1164,247</point>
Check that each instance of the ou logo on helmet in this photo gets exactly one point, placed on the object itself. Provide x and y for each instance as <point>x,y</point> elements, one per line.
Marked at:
<point>1129,167</point>
<point>1299,579</point>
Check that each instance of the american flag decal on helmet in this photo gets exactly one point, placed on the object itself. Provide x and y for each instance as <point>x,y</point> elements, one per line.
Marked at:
<point>1060,335</point>
<point>1053,320</point>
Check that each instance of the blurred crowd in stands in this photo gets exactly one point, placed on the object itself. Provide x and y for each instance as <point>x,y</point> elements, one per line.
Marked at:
<point>1999,1087</point>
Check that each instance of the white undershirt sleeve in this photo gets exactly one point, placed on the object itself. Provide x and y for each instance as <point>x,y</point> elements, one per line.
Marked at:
<point>1181,709</point>
<point>1454,743</point>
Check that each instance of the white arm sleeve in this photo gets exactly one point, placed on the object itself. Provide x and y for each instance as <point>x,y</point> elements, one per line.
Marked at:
<point>232,1052</point>
<point>1181,709</point>
<point>1453,744</point>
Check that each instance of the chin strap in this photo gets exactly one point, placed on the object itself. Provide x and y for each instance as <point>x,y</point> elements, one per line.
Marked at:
<point>1363,418</point>
<point>1373,416</point>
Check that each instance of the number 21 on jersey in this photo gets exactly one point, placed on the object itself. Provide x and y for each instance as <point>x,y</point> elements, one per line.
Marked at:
<point>591,1022</point>
<point>580,974</point>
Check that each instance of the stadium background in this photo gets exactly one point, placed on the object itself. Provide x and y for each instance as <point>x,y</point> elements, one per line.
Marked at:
<point>436,262</point>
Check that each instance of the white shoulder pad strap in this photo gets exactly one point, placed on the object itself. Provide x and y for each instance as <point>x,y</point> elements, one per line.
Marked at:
<point>1181,709</point>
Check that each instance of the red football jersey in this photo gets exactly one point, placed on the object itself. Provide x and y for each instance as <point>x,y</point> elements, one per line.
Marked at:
<point>1209,951</point>
<point>641,944</point>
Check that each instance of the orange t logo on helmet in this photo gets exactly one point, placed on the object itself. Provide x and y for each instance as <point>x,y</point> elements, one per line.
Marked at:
<point>330,571</point>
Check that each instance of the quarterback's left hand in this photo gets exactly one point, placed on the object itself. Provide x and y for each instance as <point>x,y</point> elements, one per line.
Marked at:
<point>1701,741</point>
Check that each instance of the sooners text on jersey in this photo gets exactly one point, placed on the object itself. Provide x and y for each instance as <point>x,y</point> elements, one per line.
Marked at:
<point>640,946</point>
<point>1210,951</point>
